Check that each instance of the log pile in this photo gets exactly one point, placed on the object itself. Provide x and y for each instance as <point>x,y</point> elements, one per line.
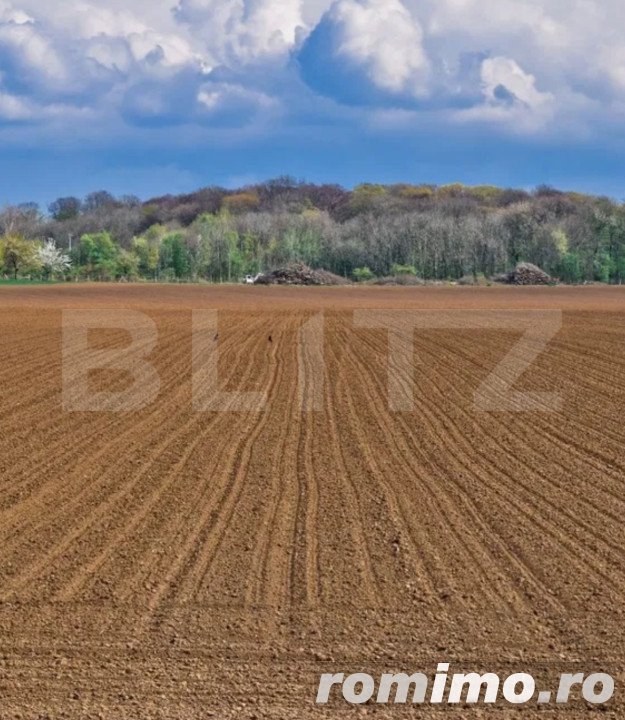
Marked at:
<point>526,274</point>
<point>299,274</point>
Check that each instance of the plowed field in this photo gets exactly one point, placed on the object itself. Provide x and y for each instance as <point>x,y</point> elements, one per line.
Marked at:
<point>169,563</point>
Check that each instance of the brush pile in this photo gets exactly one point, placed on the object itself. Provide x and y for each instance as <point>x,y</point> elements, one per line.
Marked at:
<point>299,274</point>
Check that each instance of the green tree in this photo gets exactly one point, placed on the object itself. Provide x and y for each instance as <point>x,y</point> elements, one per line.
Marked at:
<point>126,265</point>
<point>174,255</point>
<point>18,255</point>
<point>604,266</point>
<point>570,268</point>
<point>98,252</point>
<point>147,254</point>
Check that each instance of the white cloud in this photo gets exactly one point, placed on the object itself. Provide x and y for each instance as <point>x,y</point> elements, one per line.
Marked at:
<point>31,51</point>
<point>511,99</point>
<point>9,14</point>
<point>522,62</point>
<point>14,108</point>
<point>382,36</point>
<point>242,31</point>
<point>565,44</point>
<point>502,72</point>
<point>215,97</point>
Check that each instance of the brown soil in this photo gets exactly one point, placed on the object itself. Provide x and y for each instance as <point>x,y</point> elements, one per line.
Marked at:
<point>173,564</point>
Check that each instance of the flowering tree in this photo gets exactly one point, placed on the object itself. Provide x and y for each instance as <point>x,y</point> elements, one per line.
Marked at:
<point>53,260</point>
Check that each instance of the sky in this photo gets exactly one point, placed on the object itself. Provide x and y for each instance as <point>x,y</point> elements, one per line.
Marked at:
<point>149,97</point>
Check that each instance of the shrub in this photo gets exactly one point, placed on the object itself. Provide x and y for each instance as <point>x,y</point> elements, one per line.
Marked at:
<point>362,274</point>
<point>403,269</point>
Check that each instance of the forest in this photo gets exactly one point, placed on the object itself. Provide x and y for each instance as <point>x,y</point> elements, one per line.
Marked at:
<point>447,232</point>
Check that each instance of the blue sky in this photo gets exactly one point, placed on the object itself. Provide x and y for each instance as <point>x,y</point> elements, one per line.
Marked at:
<point>166,96</point>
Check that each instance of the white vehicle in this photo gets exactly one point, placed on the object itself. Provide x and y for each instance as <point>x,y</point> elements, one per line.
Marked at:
<point>251,279</point>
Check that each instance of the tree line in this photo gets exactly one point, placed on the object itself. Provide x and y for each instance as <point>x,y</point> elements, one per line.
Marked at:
<point>434,232</point>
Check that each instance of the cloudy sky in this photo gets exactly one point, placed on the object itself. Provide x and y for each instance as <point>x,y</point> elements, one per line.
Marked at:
<point>155,96</point>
